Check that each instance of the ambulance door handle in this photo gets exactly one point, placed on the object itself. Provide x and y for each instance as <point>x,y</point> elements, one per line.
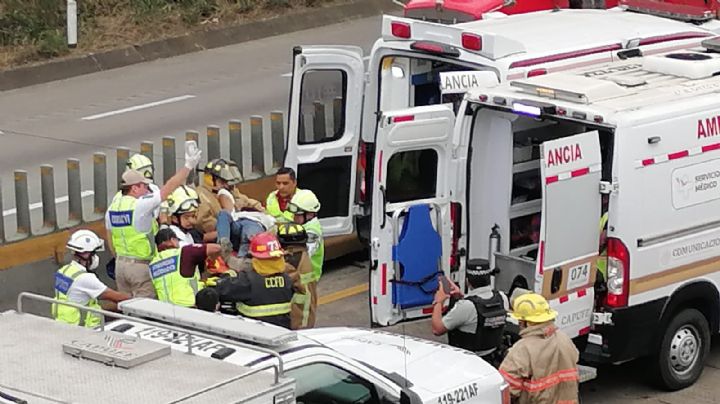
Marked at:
<point>384,207</point>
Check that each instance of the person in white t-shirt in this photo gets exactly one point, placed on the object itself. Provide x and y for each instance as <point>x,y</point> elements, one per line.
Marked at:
<point>77,283</point>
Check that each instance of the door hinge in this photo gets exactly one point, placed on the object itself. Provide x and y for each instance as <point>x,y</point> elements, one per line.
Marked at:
<point>358,210</point>
<point>609,187</point>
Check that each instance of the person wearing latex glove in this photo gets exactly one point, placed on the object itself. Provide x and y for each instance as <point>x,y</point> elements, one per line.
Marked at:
<point>131,224</point>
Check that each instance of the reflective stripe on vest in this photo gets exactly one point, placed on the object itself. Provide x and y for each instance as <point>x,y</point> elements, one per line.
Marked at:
<point>64,278</point>
<point>272,207</point>
<point>314,227</point>
<point>266,310</point>
<point>169,284</point>
<point>127,241</point>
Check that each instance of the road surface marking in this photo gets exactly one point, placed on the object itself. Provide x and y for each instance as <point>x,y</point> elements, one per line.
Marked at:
<point>138,107</point>
<point>342,294</point>
<point>38,205</point>
<point>365,59</point>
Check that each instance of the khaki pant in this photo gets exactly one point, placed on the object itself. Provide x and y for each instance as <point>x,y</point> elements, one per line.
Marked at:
<point>133,277</point>
<point>304,308</point>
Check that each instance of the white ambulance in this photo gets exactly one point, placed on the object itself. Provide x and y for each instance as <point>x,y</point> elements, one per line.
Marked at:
<point>523,176</point>
<point>336,103</point>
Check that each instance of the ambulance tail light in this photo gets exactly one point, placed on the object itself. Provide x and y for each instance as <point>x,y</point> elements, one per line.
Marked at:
<point>618,273</point>
<point>506,397</point>
<point>400,29</point>
<point>471,41</point>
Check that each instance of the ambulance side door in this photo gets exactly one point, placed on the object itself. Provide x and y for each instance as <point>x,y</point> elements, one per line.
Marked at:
<point>569,230</point>
<point>410,229</point>
<point>324,128</point>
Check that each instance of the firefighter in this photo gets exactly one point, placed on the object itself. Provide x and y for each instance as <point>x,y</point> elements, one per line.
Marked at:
<point>131,224</point>
<point>475,322</point>
<point>182,206</point>
<point>219,199</point>
<point>265,292</point>
<point>174,269</point>
<point>77,283</point>
<point>305,206</point>
<point>278,200</point>
<point>293,239</point>
<point>541,368</point>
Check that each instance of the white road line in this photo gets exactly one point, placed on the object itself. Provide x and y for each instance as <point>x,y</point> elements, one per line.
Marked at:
<point>38,205</point>
<point>138,107</point>
<point>365,59</point>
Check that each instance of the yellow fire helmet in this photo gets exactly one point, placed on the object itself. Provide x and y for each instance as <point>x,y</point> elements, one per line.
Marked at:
<point>141,163</point>
<point>533,308</point>
<point>304,200</point>
<point>183,200</point>
<point>226,170</point>
<point>291,233</point>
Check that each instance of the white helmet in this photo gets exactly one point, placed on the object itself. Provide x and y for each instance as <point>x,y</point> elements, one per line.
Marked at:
<point>85,241</point>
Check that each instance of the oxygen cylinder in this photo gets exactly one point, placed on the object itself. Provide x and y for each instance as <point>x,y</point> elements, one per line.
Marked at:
<point>494,245</point>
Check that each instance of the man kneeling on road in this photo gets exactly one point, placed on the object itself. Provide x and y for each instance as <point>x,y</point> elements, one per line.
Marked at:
<point>541,368</point>
<point>77,283</point>
<point>475,322</point>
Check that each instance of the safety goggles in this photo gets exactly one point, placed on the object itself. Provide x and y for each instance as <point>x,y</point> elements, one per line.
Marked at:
<point>187,206</point>
<point>292,208</point>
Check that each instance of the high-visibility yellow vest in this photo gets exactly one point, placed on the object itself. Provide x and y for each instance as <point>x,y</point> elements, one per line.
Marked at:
<point>127,241</point>
<point>313,227</point>
<point>64,278</point>
<point>169,284</point>
<point>272,207</point>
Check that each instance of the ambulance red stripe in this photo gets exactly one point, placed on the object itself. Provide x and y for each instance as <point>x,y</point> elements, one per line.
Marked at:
<point>678,155</point>
<point>383,280</point>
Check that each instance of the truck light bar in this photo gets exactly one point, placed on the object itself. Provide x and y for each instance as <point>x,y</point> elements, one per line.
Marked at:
<point>682,12</point>
<point>551,92</point>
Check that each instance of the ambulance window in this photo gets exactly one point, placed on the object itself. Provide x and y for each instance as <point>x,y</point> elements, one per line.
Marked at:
<point>412,175</point>
<point>322,106</point>
<point>322,383</point>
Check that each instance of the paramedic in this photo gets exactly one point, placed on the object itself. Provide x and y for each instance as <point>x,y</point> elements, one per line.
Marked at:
<point>77,283</point>
<point>305,206</point>
<point>219,199</point>
<point>131,225</point>
<point>293,239</point>
<point>541,368</point>
<point>477,321</point>
<point>173,270</point>
<point>278,200</point>
<point>265,292</point>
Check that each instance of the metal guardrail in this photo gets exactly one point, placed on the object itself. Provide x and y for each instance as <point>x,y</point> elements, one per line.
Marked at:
<point>278,368</point>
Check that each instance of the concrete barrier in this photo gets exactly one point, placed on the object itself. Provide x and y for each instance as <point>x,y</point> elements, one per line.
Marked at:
<point>29,245</point>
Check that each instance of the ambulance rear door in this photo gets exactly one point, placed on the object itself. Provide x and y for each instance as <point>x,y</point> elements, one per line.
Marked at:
<point>324,128</point>
<point>411,229</point>
<point>569,229</point>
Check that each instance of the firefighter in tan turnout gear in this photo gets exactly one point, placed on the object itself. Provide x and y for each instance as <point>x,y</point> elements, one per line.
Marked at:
<point>293,239</point>
<point>541,368</point>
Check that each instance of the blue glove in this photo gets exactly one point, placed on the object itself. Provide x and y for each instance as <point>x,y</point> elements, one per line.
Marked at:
<point>110,268</point>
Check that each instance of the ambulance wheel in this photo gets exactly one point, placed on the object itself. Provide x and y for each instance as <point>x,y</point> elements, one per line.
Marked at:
<point>683,350</point>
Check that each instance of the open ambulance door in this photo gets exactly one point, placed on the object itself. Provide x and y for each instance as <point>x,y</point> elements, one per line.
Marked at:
<point>324,128</point>
<point>569,229</point>
<point>410,229</point>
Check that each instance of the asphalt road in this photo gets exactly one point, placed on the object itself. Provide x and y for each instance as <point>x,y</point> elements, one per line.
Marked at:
<point>48,123</point>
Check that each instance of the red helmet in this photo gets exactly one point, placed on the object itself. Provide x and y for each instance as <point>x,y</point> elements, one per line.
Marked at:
<point>264,246</point>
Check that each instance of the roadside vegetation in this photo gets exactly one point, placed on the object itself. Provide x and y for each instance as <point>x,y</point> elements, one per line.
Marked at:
<point>34,30</point>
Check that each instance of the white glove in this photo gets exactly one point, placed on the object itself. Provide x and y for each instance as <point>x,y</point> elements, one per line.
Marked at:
<point>192,155</point>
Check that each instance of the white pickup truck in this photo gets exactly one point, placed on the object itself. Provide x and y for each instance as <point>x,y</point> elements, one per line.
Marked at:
<point>329,365</point>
